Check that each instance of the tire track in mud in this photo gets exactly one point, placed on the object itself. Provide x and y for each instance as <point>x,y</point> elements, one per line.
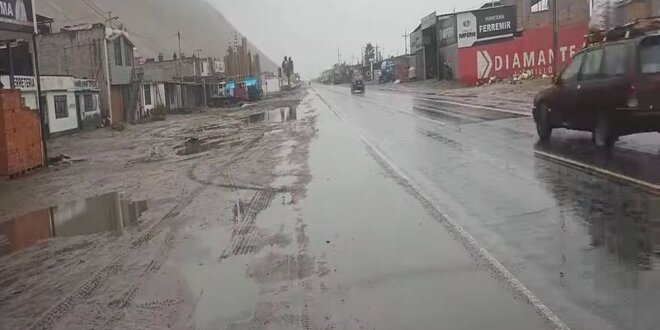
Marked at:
<point>50,318</point>
<point>246,236</point>
<point>119,306</point>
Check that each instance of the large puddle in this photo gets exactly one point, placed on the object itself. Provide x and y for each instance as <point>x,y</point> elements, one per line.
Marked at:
<point>105,213</point>
<point>276,116</point>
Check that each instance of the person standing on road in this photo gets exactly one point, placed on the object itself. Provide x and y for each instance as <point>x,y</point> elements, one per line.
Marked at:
<point>290,69</point>
<point>285,69</point>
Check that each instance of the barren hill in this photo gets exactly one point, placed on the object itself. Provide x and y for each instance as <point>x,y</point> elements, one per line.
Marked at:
<point>153,24</point>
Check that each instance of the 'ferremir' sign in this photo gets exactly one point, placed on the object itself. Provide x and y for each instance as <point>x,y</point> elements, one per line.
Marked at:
<point>485,24</point>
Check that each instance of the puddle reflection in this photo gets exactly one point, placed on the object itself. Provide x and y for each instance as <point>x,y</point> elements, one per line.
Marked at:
<point>622,222</point>
<point>276,116</point>
<point>578,147</point>
<point>105,213</point>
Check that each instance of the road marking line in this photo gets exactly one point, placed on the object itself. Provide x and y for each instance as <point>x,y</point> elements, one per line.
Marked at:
<point>470,242</point>
<point>601,171</point>
<point>515,112</point>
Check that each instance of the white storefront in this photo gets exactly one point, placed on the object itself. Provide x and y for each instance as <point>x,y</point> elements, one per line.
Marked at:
<point>70,102</point>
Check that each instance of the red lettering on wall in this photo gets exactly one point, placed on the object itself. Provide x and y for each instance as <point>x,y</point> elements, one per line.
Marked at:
<point>532,51</point>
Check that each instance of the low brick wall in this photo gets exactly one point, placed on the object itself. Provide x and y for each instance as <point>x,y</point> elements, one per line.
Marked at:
<point>20,136</point>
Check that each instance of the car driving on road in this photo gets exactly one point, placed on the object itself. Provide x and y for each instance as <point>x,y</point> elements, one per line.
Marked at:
<point>357,85</point>
<point>611,88</point>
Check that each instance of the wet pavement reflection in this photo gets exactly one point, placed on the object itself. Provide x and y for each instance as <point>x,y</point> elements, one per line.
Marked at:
<point>578,147</point>
<point>104,213</point>
<point>608,243</point>
<point>456,114</point>
<point>588,246</point>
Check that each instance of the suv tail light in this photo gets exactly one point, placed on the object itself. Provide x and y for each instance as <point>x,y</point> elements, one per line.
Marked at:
<point>632,97</point>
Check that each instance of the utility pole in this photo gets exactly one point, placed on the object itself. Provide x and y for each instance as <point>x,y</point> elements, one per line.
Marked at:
<point>107,64</point>
<point>45,131</point>
<point>405,40</point>
<point>555,38</point>
<point>338,56</point>
<point>178,34</point>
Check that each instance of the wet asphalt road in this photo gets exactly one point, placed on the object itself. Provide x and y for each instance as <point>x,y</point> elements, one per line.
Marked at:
<point>587,246</point>
<point>363,254</point>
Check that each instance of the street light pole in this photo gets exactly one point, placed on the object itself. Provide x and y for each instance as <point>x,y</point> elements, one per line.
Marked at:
<point>555,38</point>
<point>405,40</point>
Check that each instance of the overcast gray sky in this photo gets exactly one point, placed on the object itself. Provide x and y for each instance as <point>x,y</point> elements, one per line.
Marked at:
<point>311,30</point>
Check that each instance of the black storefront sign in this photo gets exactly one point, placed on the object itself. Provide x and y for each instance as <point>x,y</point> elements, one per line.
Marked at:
<point>446,31</point>
<point>485,24</point>
<point>16,18</point>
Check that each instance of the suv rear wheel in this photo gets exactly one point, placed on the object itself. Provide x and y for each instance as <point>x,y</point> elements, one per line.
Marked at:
<point>543,127</point>
<point>603,135</point>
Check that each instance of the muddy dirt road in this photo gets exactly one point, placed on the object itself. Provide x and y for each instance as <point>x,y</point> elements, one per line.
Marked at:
<point>277,216</point>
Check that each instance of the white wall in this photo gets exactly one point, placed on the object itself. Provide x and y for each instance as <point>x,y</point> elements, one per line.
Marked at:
<point>271,85</point>
<point>62,124</point>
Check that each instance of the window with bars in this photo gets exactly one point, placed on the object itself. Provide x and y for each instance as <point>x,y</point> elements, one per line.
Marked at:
<point>129,55</point>
<point>89,103</point>
<point>61,106</point>
<point>118,53</point>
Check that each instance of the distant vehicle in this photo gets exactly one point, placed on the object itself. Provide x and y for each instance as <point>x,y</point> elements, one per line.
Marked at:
<point>611,88</point>
<point>357,85</point>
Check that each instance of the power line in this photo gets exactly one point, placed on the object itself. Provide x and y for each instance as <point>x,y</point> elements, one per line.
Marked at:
<point>95,9</point>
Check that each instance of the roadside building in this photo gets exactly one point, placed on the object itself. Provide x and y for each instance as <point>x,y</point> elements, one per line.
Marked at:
<point>447,47</point>
<point>430,45</point>
<point>517,37</point>
<point>177,84</point>
<point>629,10</point>
<point>92,51</point>
<point>71,104</point>
<point>501,39</point>
<point>417,54</point>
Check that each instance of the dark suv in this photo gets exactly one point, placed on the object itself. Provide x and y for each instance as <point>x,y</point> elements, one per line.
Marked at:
<point>357,85</point>
<point>611,89</point>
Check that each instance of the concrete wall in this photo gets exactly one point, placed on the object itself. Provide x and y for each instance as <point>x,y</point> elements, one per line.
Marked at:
<point>167,70</point>
<point>569,12</point>
<point>79,54</point>
<point>631,10</point>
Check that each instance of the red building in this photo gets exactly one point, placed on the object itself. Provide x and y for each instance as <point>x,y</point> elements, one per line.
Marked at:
<point>529,48</point>
<point>501,39</point>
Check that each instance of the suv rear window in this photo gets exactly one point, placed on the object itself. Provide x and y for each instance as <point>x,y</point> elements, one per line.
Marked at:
<point>649,55</point>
